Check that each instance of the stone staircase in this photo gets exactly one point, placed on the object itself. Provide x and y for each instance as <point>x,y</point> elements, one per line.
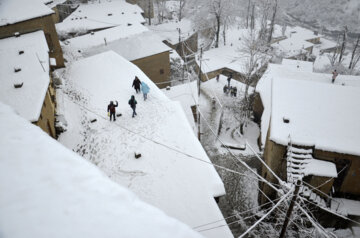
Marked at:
<point>297,160</point>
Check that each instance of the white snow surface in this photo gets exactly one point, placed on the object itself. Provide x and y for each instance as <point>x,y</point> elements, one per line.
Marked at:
<point>34,74</point>
<point>322,115</point>
<point>14,11</point>
<point>98,38</point>
<point>169,31</point>
<point>298,65</point>
<point>320,168</point>
<point>284,73</point>
<point>134,47</point>
<point>49,191</point>
<point>187,95</point>
<point>164,176</point>
<point>346,206</point>
<point>101,14</point>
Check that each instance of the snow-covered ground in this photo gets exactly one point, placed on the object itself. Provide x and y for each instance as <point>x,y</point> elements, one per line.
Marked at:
<point>173,172</point>
<point>50,191</point>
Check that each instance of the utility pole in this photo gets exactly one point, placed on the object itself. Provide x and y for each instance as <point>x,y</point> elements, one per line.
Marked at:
<point>149,11</point>
<point>198,106</point>
<point>289,211</point>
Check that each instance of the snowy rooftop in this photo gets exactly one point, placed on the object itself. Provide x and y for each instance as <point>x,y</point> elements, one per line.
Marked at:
<point>186,94</point>
<point>321,168</point>
<point>169,31</point>
<point>28,52</point>
<point>133,47</point>
<point>322,115</point>
<point>101,14</point>
<point>298,65</point>
<point>49,191</point>
<point>223,57</point>
<point>284,73</point>
<point>13,11</point>
<point>167,175</point>
<point>291,47</point>
<point>98,38</point>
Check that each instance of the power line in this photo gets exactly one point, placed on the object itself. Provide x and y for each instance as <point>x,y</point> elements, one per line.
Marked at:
<point>268,213</point>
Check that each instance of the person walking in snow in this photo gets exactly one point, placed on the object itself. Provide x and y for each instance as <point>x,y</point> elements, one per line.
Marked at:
<point>229,79</point>
<point>145,90</point>
<point>111,110</point>
<point>217,77</point>
<point>136,84</point>
<point>334,75</point>
<point>132,103</point>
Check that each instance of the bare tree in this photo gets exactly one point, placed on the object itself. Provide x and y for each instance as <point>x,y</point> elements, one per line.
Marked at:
<point>343,44</point>
<point>355,54</point>
<point>253,52</point>
<point>161,9</point>
<point>181,8</point>
<point>149,3</point>
<point>264,8</point>
<point>333,58</point>
<point>272,21</point>
<point>248,14</point>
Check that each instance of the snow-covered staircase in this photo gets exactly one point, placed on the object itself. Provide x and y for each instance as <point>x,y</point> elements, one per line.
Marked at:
<point>297,160</point>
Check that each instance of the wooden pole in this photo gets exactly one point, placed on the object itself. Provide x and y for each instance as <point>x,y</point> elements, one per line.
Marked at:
<point>289,211</point>
<point>198,105</point>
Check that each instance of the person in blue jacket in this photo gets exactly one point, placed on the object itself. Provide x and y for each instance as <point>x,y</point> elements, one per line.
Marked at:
<point>145,89</point>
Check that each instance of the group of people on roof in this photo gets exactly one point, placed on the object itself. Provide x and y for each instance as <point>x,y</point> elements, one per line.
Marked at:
<point>138,86</point>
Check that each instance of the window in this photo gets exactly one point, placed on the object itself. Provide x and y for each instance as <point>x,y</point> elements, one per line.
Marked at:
<point>161,71</point>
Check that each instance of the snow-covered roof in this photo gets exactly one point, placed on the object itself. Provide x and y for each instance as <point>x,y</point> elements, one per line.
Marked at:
<point>223,57</point>
<point>291,47</point>
<point>167,175</point>
<point>317,114</point>
<point>186,94</point>
<point>298,65</point>
<point>13,11</point>
<point>320,168</point>
<point>29,53</point>
<point>133,47</point>
<point>345,206</point>
<point>101,14</point>
<point>98,38</point>
<point>284,73</point>
<point>170,31</point>
<point>49,191</point>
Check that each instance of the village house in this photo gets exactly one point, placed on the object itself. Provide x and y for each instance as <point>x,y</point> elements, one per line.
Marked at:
<point>179,36</point>
<point>96,16</point>
<point>297,141</point>
<point>20,17</point>
<point>26,83</point>
<point>146,5</point>
<point>131,42</point>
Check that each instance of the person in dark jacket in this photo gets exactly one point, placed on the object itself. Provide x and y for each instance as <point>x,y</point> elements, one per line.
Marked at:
<point>111,110</point>
<point>132,103</point>
<point>136,84</point>
<point>229,79</point>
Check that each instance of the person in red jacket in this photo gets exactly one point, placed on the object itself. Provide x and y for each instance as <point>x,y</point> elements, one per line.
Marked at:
<point>111,110</point>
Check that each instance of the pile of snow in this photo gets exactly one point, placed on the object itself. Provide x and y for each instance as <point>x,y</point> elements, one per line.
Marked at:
<point>101,14</point>
<point>322,115</point>
<point>27,54</point>
<point>49,191</point>
<point>320,168</point>
<point>173,172</point>
<point>133,47</point>
<point>284,73</point>
<point>170,31</point>
<point>13,11</point>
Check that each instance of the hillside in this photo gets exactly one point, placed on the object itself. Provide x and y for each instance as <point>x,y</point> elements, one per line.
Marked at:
<point>331,14</point>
